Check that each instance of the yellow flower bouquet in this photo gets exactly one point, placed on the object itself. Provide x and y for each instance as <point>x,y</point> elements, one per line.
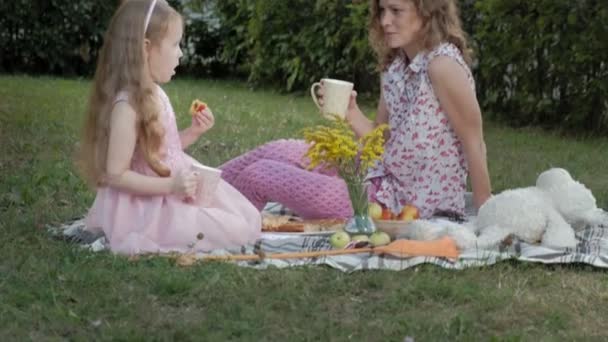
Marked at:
<point>337,147</point>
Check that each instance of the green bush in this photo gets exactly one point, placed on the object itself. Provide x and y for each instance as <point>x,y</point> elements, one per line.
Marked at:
<point>537,62</point>
<point>202,42</point>
<point>540,62</point>
<point>59,37</point>
<point>544,62</point>
<point>235,43</point>
<point>63,37</point>
<point>293,43</point>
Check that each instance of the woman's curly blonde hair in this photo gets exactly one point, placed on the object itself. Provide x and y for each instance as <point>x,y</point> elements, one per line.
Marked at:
<point>440,23</point>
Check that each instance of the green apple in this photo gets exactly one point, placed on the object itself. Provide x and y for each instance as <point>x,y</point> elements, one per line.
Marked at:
<point>374,211</point>
<point>339,239</point>
<point>361,238</point>
<point>379,239</point>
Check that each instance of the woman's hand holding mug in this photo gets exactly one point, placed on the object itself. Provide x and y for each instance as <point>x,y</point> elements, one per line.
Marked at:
<point>335,97</point>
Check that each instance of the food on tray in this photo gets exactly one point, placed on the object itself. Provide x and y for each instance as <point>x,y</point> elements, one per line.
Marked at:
<point>287,224</point>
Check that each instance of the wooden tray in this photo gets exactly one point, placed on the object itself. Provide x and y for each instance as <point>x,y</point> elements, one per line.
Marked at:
<point>287,224</point>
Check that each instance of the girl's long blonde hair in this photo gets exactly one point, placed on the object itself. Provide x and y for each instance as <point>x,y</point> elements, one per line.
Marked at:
<point>440,23</point>
<point>122,66</point>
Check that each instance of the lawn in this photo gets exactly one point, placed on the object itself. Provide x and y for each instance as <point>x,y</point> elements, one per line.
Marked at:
<point>50,290</point>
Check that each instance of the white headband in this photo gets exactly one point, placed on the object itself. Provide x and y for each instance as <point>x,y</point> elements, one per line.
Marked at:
<point>149,15</point>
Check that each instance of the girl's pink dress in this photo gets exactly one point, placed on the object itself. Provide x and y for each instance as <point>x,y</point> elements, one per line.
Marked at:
<point>157,224</point>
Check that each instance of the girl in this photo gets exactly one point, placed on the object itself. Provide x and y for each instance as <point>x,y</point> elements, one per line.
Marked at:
<point>427,98</point>
<point>148,198</point>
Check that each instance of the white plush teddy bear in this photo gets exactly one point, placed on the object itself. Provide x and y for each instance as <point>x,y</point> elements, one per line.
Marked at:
<point>548,212</point>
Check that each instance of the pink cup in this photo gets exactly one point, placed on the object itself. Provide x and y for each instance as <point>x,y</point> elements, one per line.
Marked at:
<point>209,180</point>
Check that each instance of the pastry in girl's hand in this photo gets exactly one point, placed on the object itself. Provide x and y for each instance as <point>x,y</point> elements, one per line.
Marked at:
<point>197,107</point>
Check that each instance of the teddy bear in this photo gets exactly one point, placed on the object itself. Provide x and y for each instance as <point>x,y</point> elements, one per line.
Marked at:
<point>548,212</point>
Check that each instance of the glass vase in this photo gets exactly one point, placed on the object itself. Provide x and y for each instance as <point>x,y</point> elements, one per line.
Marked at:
<point>360,223</point>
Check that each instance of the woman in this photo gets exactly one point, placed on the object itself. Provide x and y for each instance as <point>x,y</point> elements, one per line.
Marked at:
<point>427,98</point>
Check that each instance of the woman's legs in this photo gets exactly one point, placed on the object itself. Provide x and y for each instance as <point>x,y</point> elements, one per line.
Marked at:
<point>275,172</point>
<point>287,151</point>
<point>309,194</point>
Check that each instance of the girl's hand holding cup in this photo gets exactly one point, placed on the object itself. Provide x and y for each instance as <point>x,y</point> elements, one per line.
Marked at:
<point>185,183</point>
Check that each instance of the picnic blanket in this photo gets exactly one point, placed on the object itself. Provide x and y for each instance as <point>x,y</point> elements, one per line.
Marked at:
<point>592,250</point>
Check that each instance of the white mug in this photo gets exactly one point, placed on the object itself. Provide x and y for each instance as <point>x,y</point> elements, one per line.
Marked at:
<point>209,180</point>
<point>336,96</point>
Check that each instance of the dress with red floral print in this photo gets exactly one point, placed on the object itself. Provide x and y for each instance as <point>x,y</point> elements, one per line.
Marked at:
<point>424,164</point>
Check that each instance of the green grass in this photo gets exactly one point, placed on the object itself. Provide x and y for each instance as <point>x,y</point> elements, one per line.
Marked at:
<point>50,290</point>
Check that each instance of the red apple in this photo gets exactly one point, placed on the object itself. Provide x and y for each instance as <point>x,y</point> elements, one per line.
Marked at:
<point>386,214</point>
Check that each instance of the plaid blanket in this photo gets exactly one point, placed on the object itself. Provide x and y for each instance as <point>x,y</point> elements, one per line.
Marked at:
<point>592,250</point>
